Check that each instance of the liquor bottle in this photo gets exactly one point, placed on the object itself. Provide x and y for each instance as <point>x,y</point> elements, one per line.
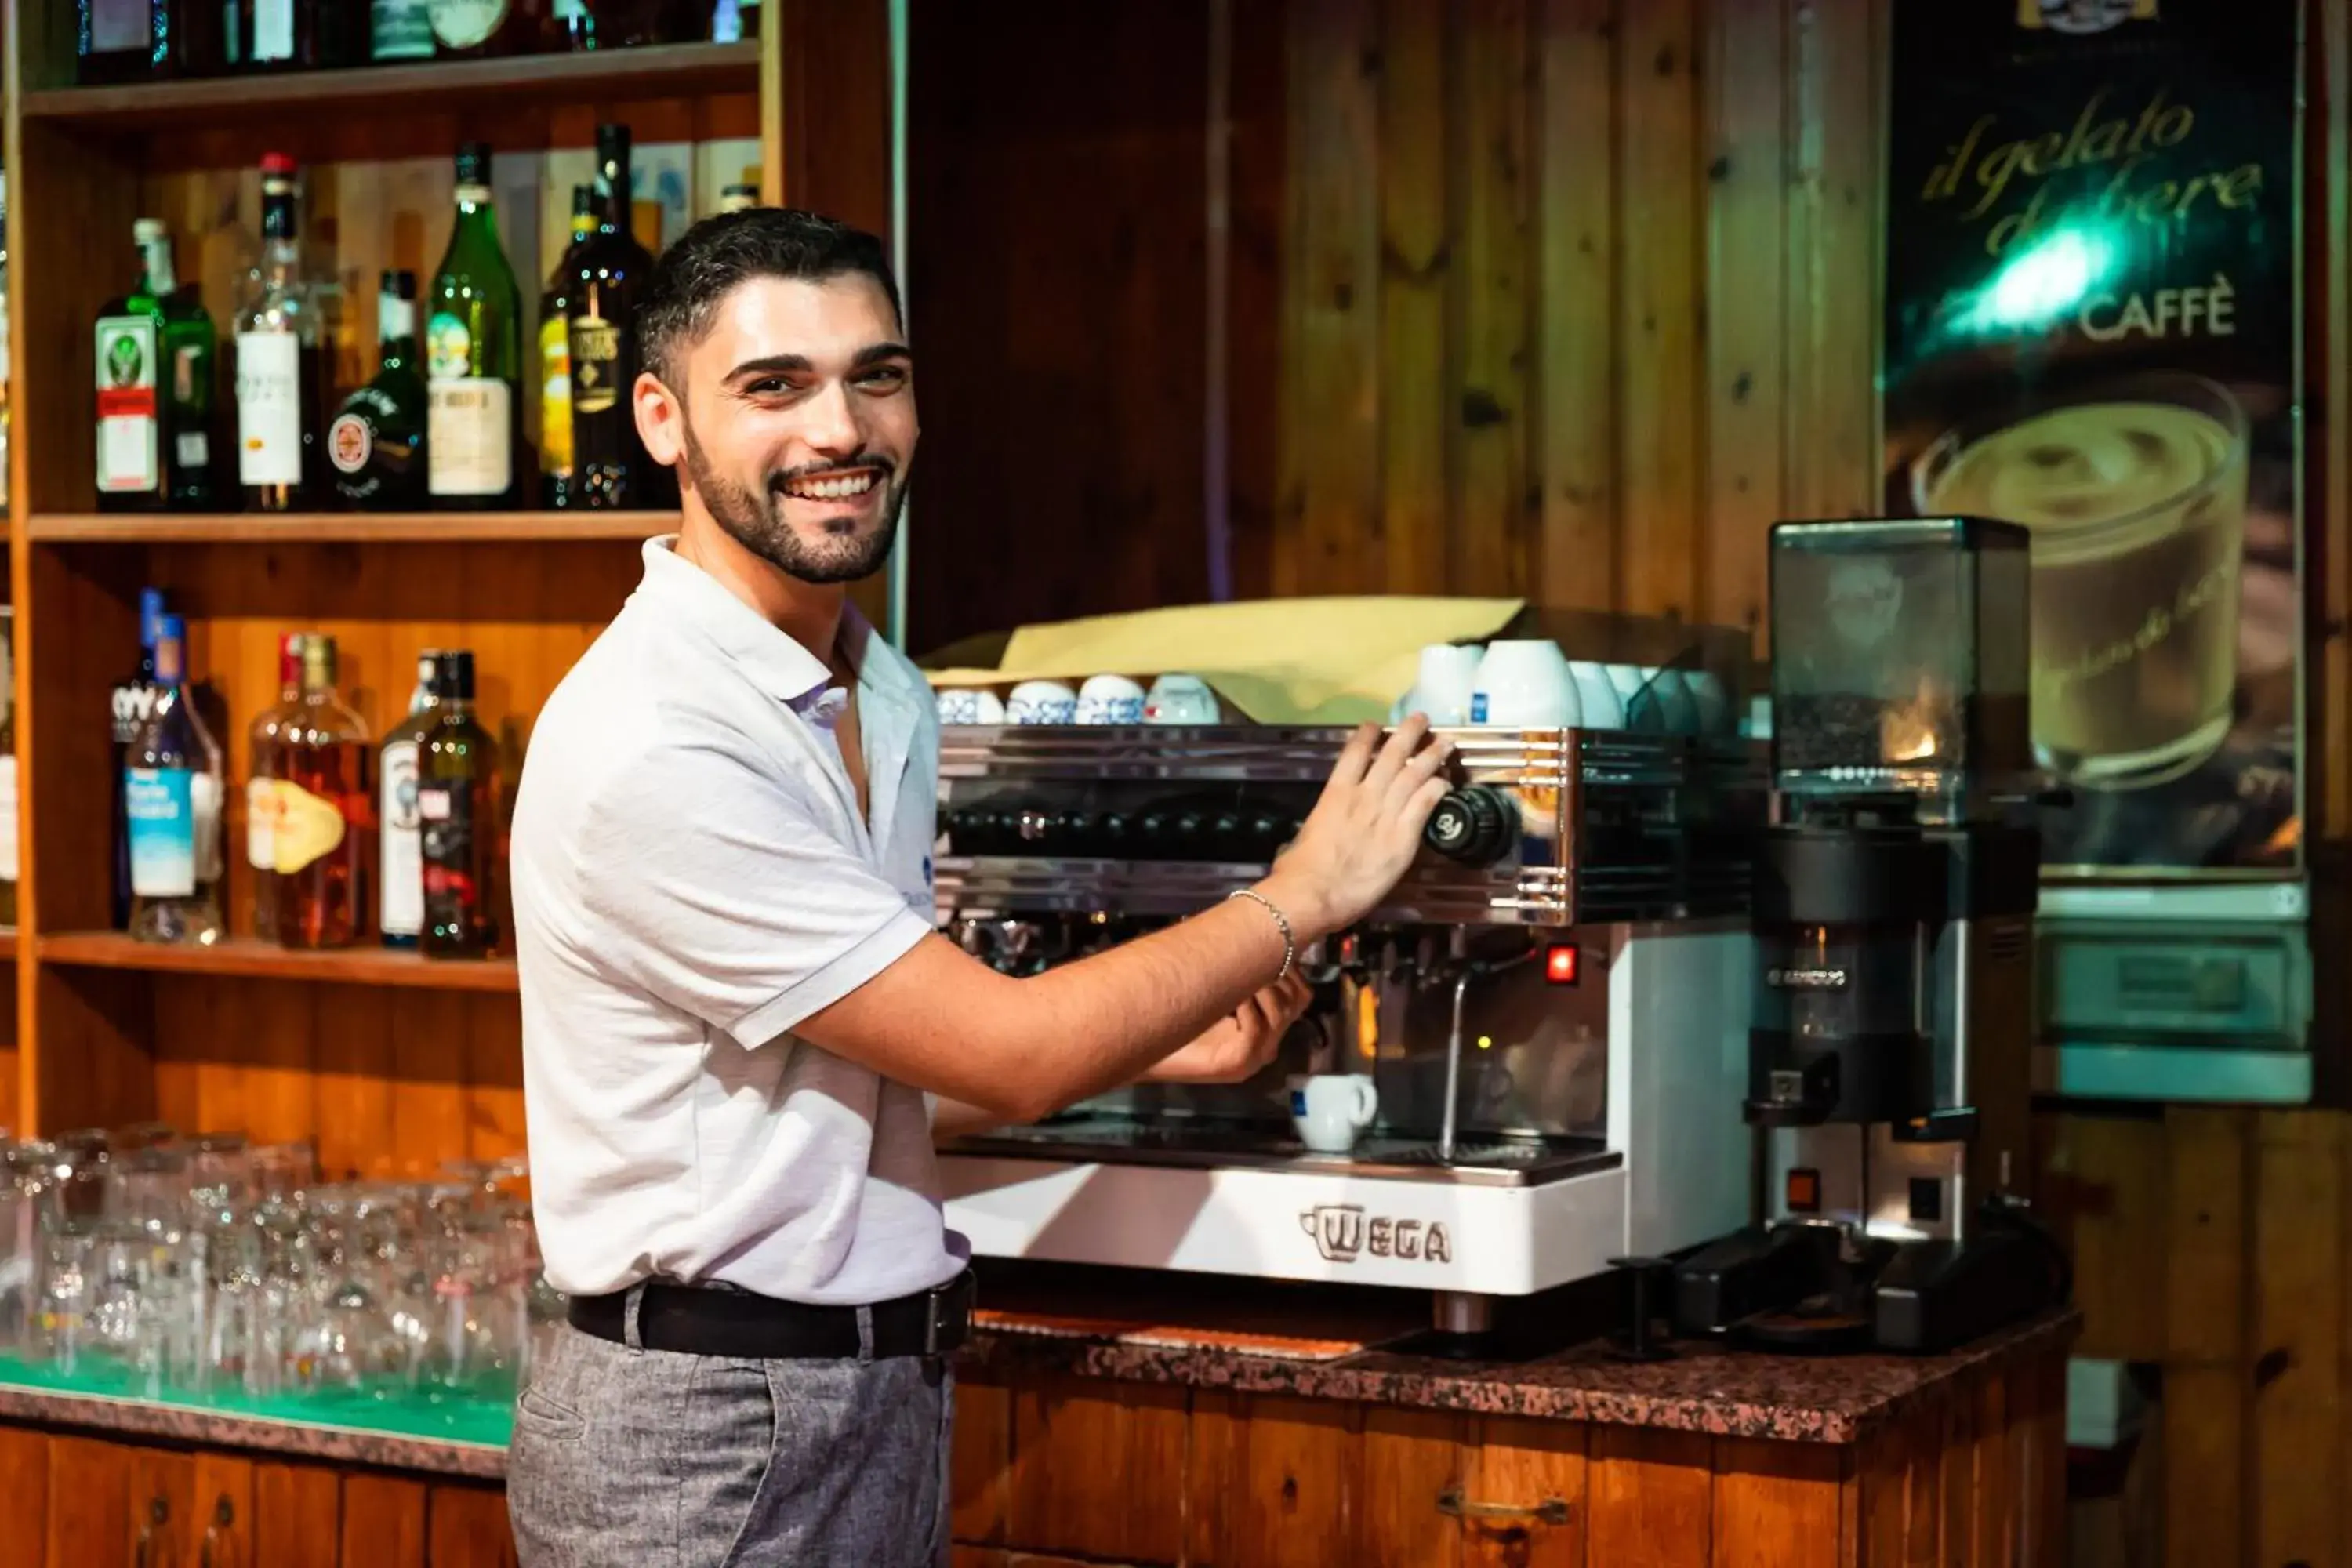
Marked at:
<point>7,766</point>
<point>399,30</point>
<point>281,361</point>
<point>400,859</point>
<point>133,702</point>
<point>608,276</point>
<point>119,40</point>
<point>476,29</point>
<point>555,360</point>
<point>457,811</point>
<point>733,21</point>
<point>377,444</point>
<point>294,35</point>
<point>171,789</point>
<point>738,198</point>
<point>473,354</point>
<point>324,801</point>
<point>154,361</point>
<point>266,743</point>
<point>624,24</point>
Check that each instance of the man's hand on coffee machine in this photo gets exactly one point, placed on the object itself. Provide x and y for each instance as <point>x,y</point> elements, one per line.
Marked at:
<point>1238,1048</point>
<point>1364,832</point>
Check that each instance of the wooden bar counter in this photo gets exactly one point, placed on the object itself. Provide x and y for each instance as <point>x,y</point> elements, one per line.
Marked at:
<point>1086,1439</point>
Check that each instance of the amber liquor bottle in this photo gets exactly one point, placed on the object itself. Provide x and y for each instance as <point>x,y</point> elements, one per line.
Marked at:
<point>458,809</point>
<point>261,801</point>
<point>610,466</point>
<point>325,808</point>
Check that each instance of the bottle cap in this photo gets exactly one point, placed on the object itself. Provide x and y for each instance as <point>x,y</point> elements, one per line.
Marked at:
<point>289,658</point>
<point>612,140</point>
<point>278,163</point>
<point>147,230</point>
<point>151,616</point>
<point>428,663</point>
<point>474,163</point>
<point>400,282</point>
<point>453,675</point>
<point>318,662</point>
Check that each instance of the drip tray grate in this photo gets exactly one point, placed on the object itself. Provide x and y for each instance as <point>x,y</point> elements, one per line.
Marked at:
<point>1484,1160</point>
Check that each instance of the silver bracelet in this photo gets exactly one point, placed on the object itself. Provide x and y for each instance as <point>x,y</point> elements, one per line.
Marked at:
<point>1289,944</point>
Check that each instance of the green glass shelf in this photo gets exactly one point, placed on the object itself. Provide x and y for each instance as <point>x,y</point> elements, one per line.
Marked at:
<point>430,1418</point>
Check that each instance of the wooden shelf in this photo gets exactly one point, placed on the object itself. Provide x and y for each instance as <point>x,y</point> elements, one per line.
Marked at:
<point>261,960</point>
<point>346,527</point>
<point>666,71</point>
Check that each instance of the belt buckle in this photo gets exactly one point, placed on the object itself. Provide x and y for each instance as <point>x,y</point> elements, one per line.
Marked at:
<point>947,1314</point>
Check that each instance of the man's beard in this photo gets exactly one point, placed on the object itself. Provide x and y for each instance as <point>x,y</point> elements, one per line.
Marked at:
<point>754,519</point>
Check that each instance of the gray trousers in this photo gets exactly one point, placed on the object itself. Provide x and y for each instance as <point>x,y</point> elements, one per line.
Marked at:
<point>654,1459</point>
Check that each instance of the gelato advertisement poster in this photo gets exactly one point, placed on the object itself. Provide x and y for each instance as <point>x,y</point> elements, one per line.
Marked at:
<point>2092,329</point>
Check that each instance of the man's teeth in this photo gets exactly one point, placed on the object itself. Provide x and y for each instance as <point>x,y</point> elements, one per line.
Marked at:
<point>832,488</point>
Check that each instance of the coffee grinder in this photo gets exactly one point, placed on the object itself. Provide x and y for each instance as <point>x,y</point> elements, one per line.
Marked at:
<point>1889,1050</point>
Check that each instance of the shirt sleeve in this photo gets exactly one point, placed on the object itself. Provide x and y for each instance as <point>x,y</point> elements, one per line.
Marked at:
<point>715,886</point>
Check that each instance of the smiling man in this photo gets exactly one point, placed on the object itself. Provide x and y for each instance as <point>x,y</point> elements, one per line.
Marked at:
<point>738,1026</point>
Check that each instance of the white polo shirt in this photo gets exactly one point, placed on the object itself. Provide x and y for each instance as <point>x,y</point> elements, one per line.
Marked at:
<point>692,879</point>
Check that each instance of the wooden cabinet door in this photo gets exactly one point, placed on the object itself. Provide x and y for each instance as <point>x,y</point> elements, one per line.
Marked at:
<point>89,1504</point>
<point>297,1515</point>
<point>218,1530</point>
<point>162,1512</point>
<point>24,1495</point>
<point>467,1528</point>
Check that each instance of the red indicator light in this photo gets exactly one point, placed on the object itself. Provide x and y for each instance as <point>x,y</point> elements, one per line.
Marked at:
<point>1559,964</point>
<point>1805,1191</point>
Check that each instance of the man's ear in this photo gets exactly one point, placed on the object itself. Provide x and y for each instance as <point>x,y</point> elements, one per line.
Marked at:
<point>661,419</point>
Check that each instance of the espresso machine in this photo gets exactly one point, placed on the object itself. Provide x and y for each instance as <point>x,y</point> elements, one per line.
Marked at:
<point>1890,1053</point>
<point>1550,1005</point>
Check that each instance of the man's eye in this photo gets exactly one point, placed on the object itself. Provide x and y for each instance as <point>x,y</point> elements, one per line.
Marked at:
<point>769,386</point>
<point>889,378</point>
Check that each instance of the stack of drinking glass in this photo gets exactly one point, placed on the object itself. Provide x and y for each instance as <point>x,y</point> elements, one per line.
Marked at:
<point>141,1262</point>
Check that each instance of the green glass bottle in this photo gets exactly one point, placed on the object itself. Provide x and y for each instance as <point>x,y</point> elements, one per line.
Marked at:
<point>473,354</point>
<point>459,818</point>
<point>377,444</point>
<point>154,388</point>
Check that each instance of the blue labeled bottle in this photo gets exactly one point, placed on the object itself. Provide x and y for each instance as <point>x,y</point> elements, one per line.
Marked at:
<point>171,798</point>
<point>133,698</point>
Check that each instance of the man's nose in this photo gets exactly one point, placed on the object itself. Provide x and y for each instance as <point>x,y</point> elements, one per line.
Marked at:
<point>830,423</point>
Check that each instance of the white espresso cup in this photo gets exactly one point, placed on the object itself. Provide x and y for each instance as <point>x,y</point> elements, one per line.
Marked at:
<point>1597,703</point>
<point>1330,1109</point>
<point>1180,700</point>
<point>1525,684</point>
<point>962,705</point>
<point>1447,681</point>
<point>1110,699</point>
<point>1042,702</point>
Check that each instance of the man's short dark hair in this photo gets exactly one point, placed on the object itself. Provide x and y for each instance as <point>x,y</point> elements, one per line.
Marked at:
<point>710,260</point>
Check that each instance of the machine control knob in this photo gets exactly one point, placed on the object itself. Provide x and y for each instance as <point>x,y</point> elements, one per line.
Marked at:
<point>1475,825</point>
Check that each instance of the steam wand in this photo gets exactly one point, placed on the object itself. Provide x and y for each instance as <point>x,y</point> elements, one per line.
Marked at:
<point>1458,953</point>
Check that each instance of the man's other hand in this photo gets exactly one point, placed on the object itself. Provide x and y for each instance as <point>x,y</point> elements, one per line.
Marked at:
<point>1239,1047</point>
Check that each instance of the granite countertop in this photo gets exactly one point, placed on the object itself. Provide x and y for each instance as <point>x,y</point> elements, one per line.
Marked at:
<point>1837,1399</point>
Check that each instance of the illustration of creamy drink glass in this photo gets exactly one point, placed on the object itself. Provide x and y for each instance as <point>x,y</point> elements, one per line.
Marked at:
<point>2135,492</point>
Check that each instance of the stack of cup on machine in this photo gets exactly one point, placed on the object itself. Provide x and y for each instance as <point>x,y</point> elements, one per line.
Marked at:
<point>1102,700</point>
<point>1530,684</point>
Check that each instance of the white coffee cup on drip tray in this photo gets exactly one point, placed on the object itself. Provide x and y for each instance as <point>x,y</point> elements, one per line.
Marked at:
<point>1329,1110</point>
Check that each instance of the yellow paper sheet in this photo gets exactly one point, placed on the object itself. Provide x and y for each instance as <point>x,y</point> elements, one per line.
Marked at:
<point>1280,661</point>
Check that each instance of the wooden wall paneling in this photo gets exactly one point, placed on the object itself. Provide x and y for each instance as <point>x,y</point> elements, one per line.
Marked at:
<point>1521,1463</point>
<point>980,1463</point>
<point>296,1508</point>
<point>428,1105</point>
<point>354,1055</point>
<point>1328,535</point>
<point>1830,434</point>
<point>1989,1467</point>
<point>494,1125</point>
<point>2298,1335</point>
<point>1901,1483</point>
<point>466,1527</point>
<point>89,1503</point>
<point>1260,181</point>
<point>1420,244</point>
<point>384,1522</point>
<point>1576,303</point>
<point>24,1495</point>
<point>1745,87</point>
<point>2108,1186</point>
<point>1955,1434</point>
<point>1652,1497</point>
<point>1090,1466</point>
<point>220,1528</point>
<point>1776,1504</point>
<point>1412,1459</point>
<point>1493,106</point>
<point>1662,417</point>
<point>1275,1481</point>
<point>2207,1364</point>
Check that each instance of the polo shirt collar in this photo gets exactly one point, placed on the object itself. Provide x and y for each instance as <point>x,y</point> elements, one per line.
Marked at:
<point>776,664</point>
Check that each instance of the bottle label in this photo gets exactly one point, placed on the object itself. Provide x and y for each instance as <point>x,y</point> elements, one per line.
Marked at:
<point>403,30</point>
<point>402,871</point>
<point>463,24</point>
<point>134,704</point>
<point>205,800</point>
<point>160,806</point>
<point>595,364</point>
<point>469,436</point>
<point>269,408</point>
<point>349,440</point>
<point>8,819</point>
<point>118,25</point>
<point>196,448</point>
<point>445,816</point>
<point>308,827</point>
<point>129,436</point>
<point>261,813</point>
<point>555,397</point>
<point>448,347</point>
<point>273,30</point>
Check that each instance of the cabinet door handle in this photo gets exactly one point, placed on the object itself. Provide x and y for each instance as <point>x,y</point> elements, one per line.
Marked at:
<point>1551,1511</point>
<point>159,1514</point>
<point>224,1518</point>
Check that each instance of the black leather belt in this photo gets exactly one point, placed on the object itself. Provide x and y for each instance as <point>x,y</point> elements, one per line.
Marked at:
<point>701,1321</point>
